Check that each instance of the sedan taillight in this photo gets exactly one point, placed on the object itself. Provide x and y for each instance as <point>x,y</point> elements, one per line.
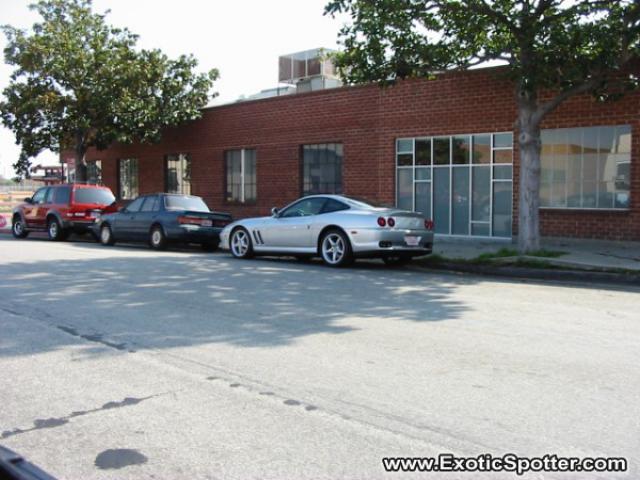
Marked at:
<point>391,222</point>
<point>186,220</point>
<point>382,222</point>
<point>428,224</point>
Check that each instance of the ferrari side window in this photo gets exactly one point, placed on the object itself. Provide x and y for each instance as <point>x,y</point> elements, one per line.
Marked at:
<point>304,208</point>
<point>332,205</point>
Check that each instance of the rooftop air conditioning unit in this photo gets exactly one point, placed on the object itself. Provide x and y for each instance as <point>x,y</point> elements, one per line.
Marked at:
<point>308,70</point>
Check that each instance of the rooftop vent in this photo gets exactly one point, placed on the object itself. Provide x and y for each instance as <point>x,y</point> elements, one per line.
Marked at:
<point>308,70</point>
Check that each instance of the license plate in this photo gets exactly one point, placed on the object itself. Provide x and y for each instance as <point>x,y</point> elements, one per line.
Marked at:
<point>412,240</point>
<point>207,223</point>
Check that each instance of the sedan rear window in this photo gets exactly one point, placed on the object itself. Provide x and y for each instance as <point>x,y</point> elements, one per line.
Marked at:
<point>185,202</point>
<point>99,196</point>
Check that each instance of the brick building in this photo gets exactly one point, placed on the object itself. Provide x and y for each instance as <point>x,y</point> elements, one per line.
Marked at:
<point>444,147</point>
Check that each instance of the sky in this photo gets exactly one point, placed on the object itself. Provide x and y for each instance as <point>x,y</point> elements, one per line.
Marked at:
<point>241,38</point>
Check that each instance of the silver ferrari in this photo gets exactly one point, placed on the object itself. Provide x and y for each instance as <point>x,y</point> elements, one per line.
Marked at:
<point>334,227</point>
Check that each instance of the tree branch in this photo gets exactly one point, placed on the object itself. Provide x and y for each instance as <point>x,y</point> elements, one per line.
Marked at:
<point>543,6</point>
<point>575,8</point>
<point>552,104</point>
<point>482,59</point>
<point>479,7</point>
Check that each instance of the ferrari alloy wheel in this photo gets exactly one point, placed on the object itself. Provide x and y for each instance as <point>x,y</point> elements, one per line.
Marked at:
<point>241,244</point>
<point>336,249</point>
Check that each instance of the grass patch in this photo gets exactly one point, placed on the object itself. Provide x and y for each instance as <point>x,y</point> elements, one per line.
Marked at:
<point>502,253</point>
<point>510,252</point>
<point>511,256</point>
<point>491,259</point>
<point>486,259</point>
<point>546,253</point>
<point>530,263</point>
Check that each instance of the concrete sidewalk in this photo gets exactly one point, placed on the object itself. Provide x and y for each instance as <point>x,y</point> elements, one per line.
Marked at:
<point>578,253</point>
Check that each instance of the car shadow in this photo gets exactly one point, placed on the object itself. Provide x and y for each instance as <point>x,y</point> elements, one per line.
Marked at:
<point>134,298</point>
<point>182,298</point>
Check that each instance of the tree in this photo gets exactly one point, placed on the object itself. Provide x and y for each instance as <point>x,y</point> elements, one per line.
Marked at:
<point>80,83</point>
<point>6,181</point>
<point>553,49</point>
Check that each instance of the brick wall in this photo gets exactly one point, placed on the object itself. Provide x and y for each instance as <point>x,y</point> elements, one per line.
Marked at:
<point>367,120</point>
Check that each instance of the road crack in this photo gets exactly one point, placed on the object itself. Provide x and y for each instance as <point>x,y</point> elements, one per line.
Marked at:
<point>42,423</point>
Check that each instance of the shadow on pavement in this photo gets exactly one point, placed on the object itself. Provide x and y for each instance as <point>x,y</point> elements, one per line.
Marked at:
<point>177,299</point>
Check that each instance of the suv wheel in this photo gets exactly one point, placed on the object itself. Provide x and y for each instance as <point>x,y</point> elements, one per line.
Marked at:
<point>106,235</point>
<point>157,238</point>
<point>18,227</point>
<point>55,230</point>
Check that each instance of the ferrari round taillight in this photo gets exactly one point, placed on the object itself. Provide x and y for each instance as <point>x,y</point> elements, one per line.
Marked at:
<point>382,222</point>
<point>391,222</point>
<point>428,224</point>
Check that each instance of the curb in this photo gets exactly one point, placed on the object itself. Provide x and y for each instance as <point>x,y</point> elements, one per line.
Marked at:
<point>578,276</point>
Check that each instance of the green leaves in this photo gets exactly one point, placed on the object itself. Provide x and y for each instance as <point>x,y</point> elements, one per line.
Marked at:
<point>558,47</point>
<point>79,82</point>
<point>545,43</point>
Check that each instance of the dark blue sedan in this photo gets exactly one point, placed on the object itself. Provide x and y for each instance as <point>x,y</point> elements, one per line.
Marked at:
<point>163,218</point>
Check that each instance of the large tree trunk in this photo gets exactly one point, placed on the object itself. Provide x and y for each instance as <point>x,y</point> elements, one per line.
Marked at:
<point>529,198</point>
<point>81,162</point>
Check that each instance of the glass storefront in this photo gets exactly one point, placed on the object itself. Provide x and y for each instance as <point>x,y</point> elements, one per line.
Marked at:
<point>586,168</point>
<point>462,182</point>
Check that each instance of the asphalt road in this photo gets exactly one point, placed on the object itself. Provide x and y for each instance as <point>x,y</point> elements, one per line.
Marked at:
<point>125,363</point>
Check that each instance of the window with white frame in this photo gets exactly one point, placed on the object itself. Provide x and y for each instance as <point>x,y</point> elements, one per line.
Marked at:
<point>241,175</point>
<point>586,168</point>
<point>462,182</point>
<point>127,178</point>
<point>178,174</point>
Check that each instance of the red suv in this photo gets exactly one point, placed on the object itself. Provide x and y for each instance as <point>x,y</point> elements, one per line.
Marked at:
<point>62,209</point>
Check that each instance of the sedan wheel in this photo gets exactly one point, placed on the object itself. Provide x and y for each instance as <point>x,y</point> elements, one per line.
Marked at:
<point>106,235</point>
<point>241,244</point>
<point>157,239</point>
<point>336,249</point>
